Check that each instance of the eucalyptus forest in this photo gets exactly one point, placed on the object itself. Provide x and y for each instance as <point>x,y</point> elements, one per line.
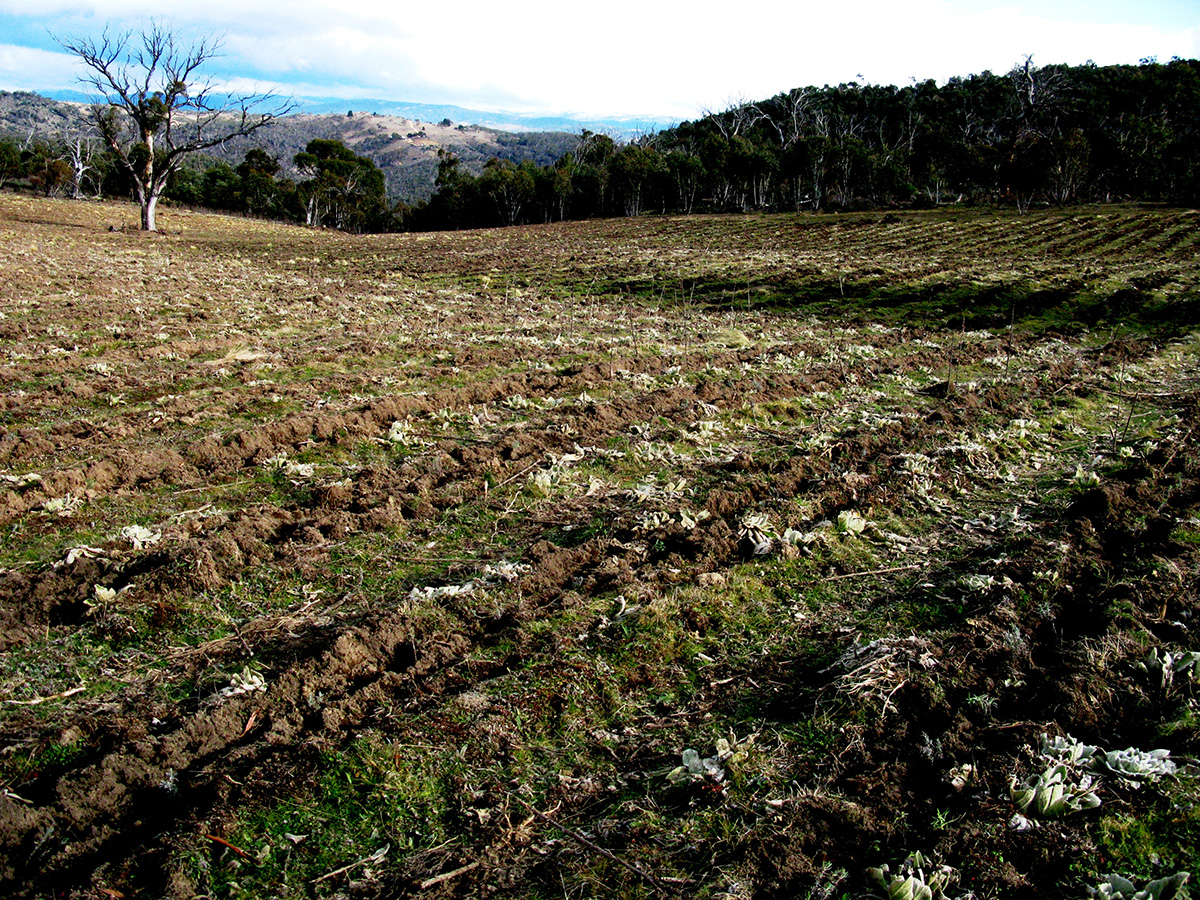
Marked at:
<point>1049,135</point>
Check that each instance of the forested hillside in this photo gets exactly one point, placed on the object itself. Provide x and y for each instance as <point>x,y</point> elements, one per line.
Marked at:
<point>52,147</point>
<point>1036,135</point>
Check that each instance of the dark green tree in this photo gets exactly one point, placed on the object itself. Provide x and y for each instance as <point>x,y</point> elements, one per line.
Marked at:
<point>10,160</point>
<point>510,187</point>
<point>456,201</point>
<point>637,174</point>
<point>258,190</point>
<point>552,186</point>
<point>221,188</point>
<point>687,176</point>
<point>345,190</point>
<point>47,171</point>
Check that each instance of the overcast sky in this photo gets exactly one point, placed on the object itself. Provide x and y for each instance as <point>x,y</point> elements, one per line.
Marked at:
<point>619,57</point>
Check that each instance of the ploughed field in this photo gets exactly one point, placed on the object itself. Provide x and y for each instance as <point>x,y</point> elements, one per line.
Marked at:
<point>715,557</point>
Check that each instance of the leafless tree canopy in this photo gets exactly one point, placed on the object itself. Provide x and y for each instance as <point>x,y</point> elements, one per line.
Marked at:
<point>157,107</point>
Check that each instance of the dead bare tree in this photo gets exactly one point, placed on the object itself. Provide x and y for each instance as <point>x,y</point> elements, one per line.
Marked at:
<point>81,153</point>
<point>797,108</point>
<point>739,115</point>
<point>157,109</point>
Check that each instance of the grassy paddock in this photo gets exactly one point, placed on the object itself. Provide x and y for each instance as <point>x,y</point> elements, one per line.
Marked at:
<point>717,556</point>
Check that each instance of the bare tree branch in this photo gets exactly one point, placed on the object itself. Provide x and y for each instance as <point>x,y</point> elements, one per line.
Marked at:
<point>155,109</point>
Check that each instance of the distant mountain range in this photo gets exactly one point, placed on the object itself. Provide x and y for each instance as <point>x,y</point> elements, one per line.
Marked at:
<point>403,139</point>
<point>617,126</point>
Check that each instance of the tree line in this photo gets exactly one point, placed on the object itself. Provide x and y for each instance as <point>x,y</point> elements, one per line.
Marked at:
<point>1034,135</point>
<point>337,188</point>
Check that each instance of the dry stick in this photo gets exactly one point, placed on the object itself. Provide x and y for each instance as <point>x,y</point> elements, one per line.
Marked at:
<point>887,701</point>
<point>871,572</point>
<point>580,839</point>
<point>438,879</point>
<point>6,793</point>
<point>1139,395</point>
<point>1011,725</point>
<point>37,701</point>
<point>236,849</point>
<point>374,857</point>
<point>442,559</point>
<point>518,475</point>
<point>238,632</point>
<point>196,490</point>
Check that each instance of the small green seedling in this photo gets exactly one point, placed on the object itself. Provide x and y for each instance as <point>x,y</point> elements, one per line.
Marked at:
<point>1118,887</point>
<point>910,882</point>
<point>1167,666</point>
<point>711,768</point>
<point>1056,792</point>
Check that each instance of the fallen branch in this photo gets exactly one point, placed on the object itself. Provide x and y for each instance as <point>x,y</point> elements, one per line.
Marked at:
<point>872,572</point>
<point>37,701</point>
<point>374,857</point>
<point>446,876</point>
<point>234,847</point>
<point>654,882</point>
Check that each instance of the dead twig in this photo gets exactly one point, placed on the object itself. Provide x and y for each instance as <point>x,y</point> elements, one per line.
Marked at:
<point>212,487</point>
<point>1012,725</point>
<point>780,436</point>
<point>37,701</point>
<point>872,572</point>
<point>374,857</point>
<point>1139,395</point>
<point>446,876</point>
<point>657,883</point>
<point>514,477</point>
<point>234,847</point>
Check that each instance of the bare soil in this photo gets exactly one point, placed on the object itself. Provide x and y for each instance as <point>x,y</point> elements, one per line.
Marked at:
<point>411,565</point>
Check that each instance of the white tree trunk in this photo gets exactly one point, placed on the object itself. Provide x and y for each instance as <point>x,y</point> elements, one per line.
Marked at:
<point>149,206</point>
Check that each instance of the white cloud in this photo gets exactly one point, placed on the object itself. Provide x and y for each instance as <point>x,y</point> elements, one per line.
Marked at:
<point>624,56</point>
<point>29,69</point>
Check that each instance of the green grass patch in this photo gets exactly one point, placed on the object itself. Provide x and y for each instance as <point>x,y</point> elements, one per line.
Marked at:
<point>376,796</point>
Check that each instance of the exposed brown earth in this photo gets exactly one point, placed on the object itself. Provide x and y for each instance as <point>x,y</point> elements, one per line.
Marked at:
<point>411,565</point>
